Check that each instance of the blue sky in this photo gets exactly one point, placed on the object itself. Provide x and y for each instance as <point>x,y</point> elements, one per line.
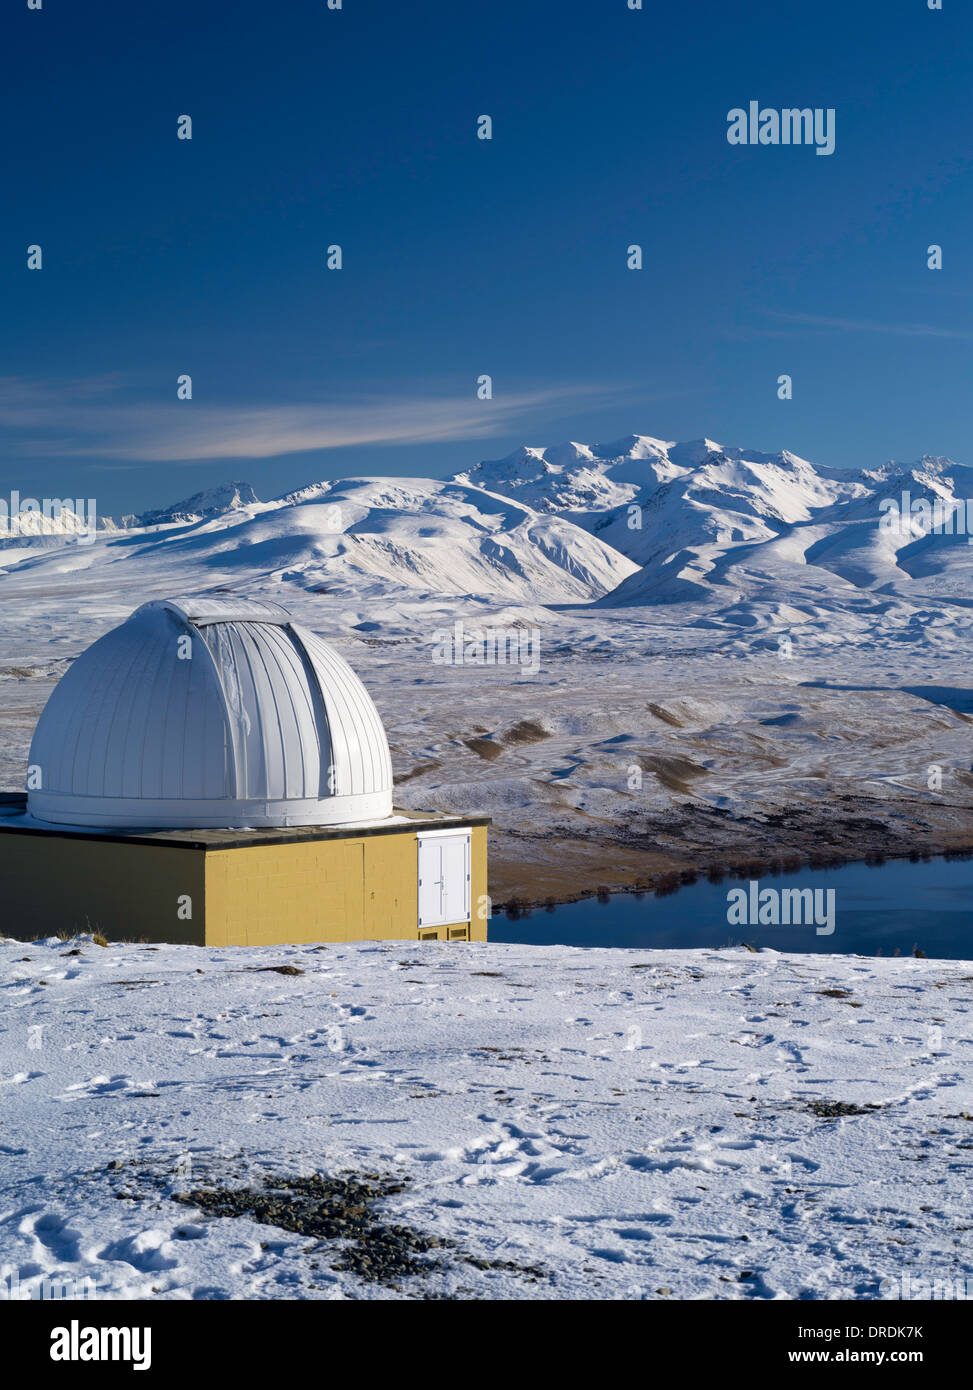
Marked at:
<point>461,256</point>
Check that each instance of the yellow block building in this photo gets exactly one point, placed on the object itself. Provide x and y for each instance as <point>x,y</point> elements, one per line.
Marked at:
<point>408,878</point>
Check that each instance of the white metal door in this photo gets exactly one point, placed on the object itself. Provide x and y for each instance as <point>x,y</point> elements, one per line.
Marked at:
<point>456,878</point>
<point>430,883</point>
<point>444,878</point>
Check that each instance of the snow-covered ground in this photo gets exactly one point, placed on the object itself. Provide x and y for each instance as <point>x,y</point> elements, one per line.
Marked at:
<point>578,1124</point>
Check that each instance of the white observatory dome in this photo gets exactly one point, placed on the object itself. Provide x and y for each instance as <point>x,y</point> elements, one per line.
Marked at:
<point>209,712</point>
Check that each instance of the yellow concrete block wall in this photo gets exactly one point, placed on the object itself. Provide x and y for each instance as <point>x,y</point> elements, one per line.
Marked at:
<point>128,892</point>
<point>391,886</point>
<point>304,891</point>
<point>341,889</point>
<point>479,902</point>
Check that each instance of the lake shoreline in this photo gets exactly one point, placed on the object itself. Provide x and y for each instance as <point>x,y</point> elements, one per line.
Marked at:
<point>528,872</point>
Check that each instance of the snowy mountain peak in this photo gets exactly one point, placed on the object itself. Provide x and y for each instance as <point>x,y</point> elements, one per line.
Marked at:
<point>632,446</point>
<point>213,501</point>
<point>694,452</point>
<point>563,455</point>
<point>940,465</point>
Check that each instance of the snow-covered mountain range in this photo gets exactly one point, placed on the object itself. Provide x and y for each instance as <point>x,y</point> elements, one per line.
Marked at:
<point>639,521</point>
<point>705,521</point>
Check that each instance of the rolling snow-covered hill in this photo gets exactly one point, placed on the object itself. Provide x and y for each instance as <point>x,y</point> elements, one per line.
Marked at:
<point>362,536</point>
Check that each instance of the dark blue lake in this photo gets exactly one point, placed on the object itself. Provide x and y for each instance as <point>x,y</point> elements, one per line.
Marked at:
<point>891,908</point>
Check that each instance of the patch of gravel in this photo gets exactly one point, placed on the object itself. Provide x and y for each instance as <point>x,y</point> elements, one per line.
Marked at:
<point>835,1109</point>
<point>342,1208</point>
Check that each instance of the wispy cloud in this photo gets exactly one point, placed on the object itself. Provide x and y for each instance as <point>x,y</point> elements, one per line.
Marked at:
<point>842,325</point>
<point>99,418</point>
